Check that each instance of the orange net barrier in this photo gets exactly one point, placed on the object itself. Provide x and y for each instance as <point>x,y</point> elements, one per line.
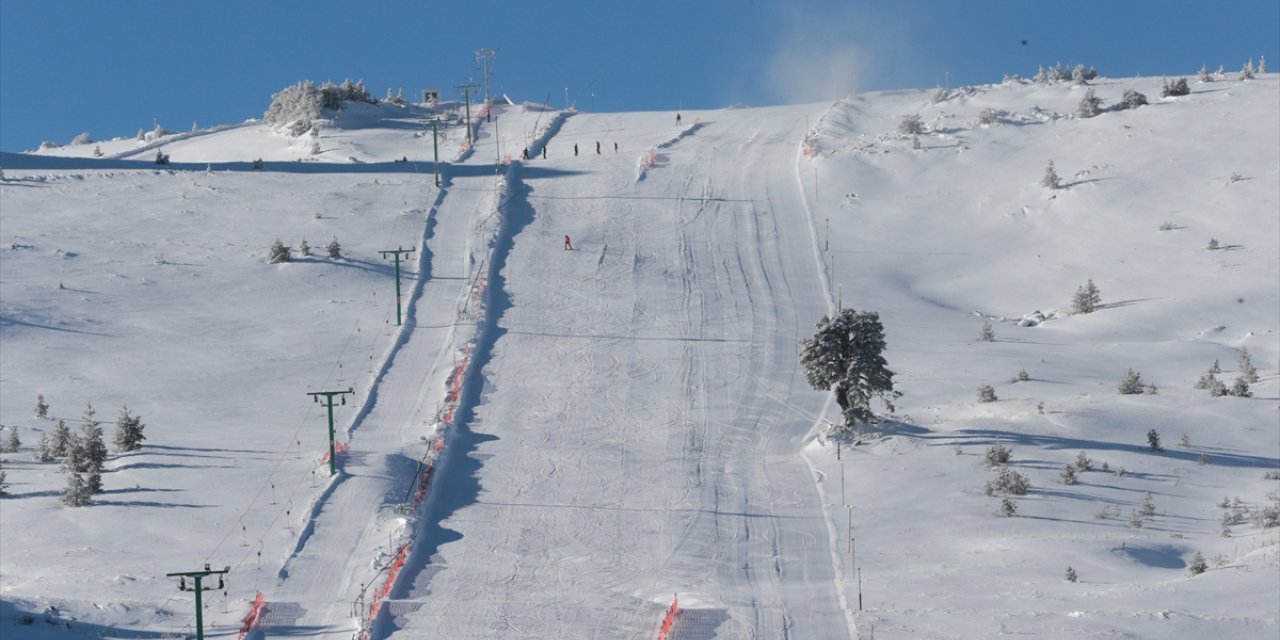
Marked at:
<point>251,620</point>
<point>670,620</point>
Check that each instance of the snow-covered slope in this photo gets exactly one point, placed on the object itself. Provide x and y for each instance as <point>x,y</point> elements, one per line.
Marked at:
<point>633,422</point>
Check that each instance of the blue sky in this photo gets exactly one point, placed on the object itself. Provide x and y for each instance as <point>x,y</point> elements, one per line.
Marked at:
<point>112,67</point>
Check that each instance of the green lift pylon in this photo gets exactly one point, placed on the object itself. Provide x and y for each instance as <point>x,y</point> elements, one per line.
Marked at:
<point>328,402</point>
<point>396,254</point>
<point>199,588</point>
<point>466,92</point>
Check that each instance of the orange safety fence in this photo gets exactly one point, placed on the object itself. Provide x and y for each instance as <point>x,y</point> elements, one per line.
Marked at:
<point>670,620</point>
<point>251,620</point>
<point>338,447</point>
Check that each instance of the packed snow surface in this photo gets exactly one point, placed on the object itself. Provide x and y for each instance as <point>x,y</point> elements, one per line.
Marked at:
<point>625,423</point>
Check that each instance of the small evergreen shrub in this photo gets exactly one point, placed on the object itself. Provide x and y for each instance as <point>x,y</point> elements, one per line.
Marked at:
<point>997,455</point>
<point>986,333</point>
<point>1023,376</point>
<point>1244,364</point>
<point>335,249</point>
<point>1175,88</point>
<point>1083,462</point>
<point>1132,99</point>
<point>1068,474</point>
<point>1051,179</point>
<point>1198,565</point>
<point>1153,441</point>
<point>986,393</point>
<point>1131,384</point>
<point>1008,482</point>
<point>1090,105</point>
<point>1071,575</point>
<point>1007,508</point>
<point>278,253</point>
<point>911,125</point>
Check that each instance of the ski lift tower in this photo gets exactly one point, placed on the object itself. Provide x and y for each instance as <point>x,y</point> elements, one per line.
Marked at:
<point>485,58</point>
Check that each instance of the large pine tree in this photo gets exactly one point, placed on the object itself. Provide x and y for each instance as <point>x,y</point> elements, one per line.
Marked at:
<point>128,435</point>
<point>845,355</point>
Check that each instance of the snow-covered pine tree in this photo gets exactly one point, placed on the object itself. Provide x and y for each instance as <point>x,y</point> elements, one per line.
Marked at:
<point>278,253</point>
<point>1148,508</point>
<point>4,484</point>
<point>1083,463</point>
<point>986,333</point>
<point>1240,388</point>
<point>76,493</point>
<point>1198,565</point>
<point>304,249</point>
<point>1072,576</point>
<point>1087,298</point>
<point>1023,376</point>
<point>1051,179</point>
<point>42,407</point>
<point>1262,64</point>
<point>988,117</point>
<point>1090,105</point>
<point>1132,99</point>
<point>295,108</point>
<point>129,428</point>
<point>335,249</point>
<point>142,135</point>
<point>82,138</point>
<point>1068,474</point>
<point>1216,367</point>
<point>986,393</point>
<point>845,355</point>
<point>1079,76</point>
<point>1246,73</point>
<point>1244,364</point>
<point>1203,75</point>
<point>911,125</point>
<point>1041,76</point>
<point>60,443</point>
<point>44,452</point>
<point>1131,384</point>
<point>93,448</point>
<point>13,443</point>
<point>1153,441</point>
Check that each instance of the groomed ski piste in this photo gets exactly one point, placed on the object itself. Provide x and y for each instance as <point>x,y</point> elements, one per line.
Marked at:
<point>617,441</point>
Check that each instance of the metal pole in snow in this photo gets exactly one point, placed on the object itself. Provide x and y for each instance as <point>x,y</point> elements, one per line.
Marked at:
<point>396,253</point>
<point>328,402</point>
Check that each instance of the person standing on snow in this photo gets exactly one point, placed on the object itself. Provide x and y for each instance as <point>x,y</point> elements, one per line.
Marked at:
<point>568,244</point>
<point>597,147</point>
<point>544,152</point>
<point>677,119</point>
<point>575,148</point>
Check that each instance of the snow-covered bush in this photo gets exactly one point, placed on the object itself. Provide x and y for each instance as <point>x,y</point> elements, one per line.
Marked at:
<point>1008,482</point>
<point>1023,376</point>
<point>1071,575</point>
<point>988,117</point>
<point>1068,474</point>
<point>1007,508</point>
<point>82,138</point>
<point>1246,72</point>
<point>1132,99</point>
<point>1083,462</point>
<point>911,125</point>
<point>1203,75</point>
<point>1131,384</point>
<point>1198,565</point>
<point>335,249</point>
<point>1090,105</point>
<point>42,408</point>
<point>1079,76</point>
<point>997,455</point>
<point>1175,88</point>
<point>986,393</point>
<point>278,253</point>
<point>1240,388</point>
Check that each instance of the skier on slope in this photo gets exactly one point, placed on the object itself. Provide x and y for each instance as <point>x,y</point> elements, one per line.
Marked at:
<point>568,244</point>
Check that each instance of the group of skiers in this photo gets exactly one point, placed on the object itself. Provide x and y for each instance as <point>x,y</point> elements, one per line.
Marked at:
<point>524,155</point>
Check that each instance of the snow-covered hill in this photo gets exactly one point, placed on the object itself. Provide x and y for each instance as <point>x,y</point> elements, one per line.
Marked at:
<point>630,421</point>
